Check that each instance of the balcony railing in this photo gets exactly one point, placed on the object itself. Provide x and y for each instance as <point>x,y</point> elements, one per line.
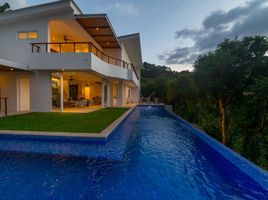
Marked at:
<point>80,47</point>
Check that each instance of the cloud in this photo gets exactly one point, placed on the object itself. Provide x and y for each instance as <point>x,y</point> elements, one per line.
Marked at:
<point>241,21</point>
<point>123,9</point>
<point>14,4</point>
<point>181,67</point>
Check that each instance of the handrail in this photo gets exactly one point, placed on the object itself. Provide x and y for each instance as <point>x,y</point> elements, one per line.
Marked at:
<point>91,48</point>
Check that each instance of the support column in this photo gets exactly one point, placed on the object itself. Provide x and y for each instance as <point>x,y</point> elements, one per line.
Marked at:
<point>61,93</point>
<point>121,94</point>
<point>136,95</point>
<point>108,102</point>
<point>111,93</point>
<point>103,93</point>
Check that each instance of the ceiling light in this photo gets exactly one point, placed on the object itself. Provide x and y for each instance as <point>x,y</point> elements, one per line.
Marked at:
<point>11,69</point>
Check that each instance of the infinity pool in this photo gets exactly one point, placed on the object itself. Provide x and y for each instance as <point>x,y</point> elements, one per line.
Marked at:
<point>162,159</point>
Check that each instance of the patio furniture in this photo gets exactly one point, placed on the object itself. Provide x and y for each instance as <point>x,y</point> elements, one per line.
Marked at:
<point>82,103</point>
<point>97,100</point>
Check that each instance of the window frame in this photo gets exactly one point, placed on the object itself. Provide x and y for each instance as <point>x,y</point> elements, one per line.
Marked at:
<point>27,35</point>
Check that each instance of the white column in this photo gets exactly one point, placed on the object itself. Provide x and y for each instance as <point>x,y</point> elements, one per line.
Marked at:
<point>108,103</point>
<point>103,84</point>
<point>111,93</point>
<point>120,94</point>
<point>132,94</point>
<point>61,93</point>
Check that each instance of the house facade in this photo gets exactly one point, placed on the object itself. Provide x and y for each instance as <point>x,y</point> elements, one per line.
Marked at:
<point>54,57</point>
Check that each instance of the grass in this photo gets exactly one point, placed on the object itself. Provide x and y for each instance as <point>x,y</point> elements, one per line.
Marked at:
<point>93,122</point>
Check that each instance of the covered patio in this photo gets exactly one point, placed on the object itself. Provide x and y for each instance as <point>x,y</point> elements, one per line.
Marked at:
<point>75,92</point>
<point>14,88</point>
<point>82,92</point>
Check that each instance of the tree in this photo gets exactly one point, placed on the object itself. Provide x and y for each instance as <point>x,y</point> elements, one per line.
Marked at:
<point>226,73</point>
<point>154,79</point>
<point>4,8</point>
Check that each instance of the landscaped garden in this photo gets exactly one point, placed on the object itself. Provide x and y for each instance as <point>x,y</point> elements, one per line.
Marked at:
<point>93,122</point>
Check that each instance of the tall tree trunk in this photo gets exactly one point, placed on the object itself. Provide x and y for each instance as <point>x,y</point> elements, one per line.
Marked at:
<point>223,118</point>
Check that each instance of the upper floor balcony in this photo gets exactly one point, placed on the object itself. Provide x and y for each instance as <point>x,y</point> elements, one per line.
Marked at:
<point>81,56</point>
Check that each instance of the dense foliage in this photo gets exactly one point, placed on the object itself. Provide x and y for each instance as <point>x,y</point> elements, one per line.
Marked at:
<point>226,94</point>
<point>5,7</point>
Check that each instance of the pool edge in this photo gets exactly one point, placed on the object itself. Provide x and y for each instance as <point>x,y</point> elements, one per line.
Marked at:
<point>102,137</point>
<point>252,170</point>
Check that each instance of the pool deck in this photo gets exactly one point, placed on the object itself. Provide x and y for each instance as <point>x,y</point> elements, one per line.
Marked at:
<point>102,136</point>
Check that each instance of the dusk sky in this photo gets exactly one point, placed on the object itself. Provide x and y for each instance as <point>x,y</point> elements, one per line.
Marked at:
<point>175,32</point>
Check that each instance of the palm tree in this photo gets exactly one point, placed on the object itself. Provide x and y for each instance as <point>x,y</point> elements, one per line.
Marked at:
<point>5,7</point>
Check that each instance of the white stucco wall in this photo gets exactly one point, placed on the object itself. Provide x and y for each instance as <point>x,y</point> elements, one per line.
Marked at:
<point>9,88</point>
<point>106,69</point>
<point>41,92</point>
<point>59,61</point>
<point>18,50</point>
<point>124,55</point>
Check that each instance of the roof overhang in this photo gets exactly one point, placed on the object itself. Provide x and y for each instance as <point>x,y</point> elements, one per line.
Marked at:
<point>40,10</point>
<point>99,27</point>
<point>132,45</point>
<point>6,65</point>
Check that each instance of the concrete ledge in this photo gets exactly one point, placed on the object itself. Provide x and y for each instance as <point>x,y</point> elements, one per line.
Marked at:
<point>102,136</point>
<point>151,104</point>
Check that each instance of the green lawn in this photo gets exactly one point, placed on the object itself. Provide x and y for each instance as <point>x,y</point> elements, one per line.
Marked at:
<point>93,122</point>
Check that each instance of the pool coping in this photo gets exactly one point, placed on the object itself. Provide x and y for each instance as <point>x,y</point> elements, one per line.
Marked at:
<point>102,136</point>
<point>253,171</point>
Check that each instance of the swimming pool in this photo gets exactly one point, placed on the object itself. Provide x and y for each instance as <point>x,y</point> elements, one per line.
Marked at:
<point>151,155</point>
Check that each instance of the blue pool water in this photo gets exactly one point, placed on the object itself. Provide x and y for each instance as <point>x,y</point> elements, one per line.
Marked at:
<point>151,155</point>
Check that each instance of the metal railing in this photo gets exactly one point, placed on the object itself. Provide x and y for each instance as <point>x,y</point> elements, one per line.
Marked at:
<point>80,47</point>
<point>5,100</point>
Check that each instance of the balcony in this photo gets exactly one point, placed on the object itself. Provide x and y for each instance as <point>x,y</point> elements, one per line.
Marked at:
<point>69,52</point>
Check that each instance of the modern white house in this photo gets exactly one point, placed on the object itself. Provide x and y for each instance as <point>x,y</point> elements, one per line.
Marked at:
<point>54,58</point>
